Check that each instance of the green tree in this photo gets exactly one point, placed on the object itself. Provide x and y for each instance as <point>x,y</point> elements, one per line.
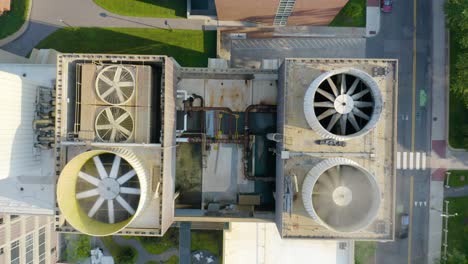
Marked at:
<point>354,10</point>
<point>126,255</point>
<point>457,14</point>
<point>455,257</point>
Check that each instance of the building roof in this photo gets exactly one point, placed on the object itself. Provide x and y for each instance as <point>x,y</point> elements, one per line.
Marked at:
<point>26,174</point>
<point>261,243</point>
<point>4,5</point>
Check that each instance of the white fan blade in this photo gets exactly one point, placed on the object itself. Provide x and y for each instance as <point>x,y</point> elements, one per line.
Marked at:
<point>119,94</point>
<point>353,122</point>
<point>115,167</point>
<point>93,180</point>
<point>106,80</point>
<point>87,194</point>
<point>117,74</point>
<point>127,176</point>
<point>324,104</point>
<point>113,134</point>
<point>121,118</point>
<point>333,120</point>
<point>353,87</point>
<point>359,113</point>
<point>96,206</point>
<point>110,210</point>
<point>125,205</point>
<point>109,115</point>
<point>102,127</point>
<point>100,167</point>
<point>333,86</point>
<point>343,121</point>
<point>125,84</point>
<point>363,104</point>
<point>343,84</point>
<point>328,95</point>
<point>129,190</point>
<point>326,113</point>
<point>108,92</point>
<point>124,131</point>
<point>360,94</point>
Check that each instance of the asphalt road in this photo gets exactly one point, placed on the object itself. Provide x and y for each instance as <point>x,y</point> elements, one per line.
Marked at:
<point>398,32</point>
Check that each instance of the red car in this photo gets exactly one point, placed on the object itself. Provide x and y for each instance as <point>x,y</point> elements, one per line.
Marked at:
<point>386,6</point>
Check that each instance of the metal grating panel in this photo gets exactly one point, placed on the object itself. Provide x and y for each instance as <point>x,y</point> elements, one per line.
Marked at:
<point>285,9</point>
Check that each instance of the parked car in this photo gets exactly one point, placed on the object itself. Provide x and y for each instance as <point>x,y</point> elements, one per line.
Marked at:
<point>404,225</point>
<point>386,6</point>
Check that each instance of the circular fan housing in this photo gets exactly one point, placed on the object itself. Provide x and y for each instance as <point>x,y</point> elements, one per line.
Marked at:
<point>343,104</point>
<point>100,192</point>
<point>341,195</point>
<point>115,84</point>
<point>114,124</point>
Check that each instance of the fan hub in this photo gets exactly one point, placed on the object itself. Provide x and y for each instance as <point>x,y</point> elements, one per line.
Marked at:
<point>342,196</point>
<point>344,104</point>
<point>109,188</point>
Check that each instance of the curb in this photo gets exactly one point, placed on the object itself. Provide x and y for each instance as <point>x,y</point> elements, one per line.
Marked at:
<point>22,29</point>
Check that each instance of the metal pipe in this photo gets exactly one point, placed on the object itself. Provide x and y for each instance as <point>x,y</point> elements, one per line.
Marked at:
<point>47,128</point>
<point>42,122</point>
<point>45,139</point>
<point>105,144</point>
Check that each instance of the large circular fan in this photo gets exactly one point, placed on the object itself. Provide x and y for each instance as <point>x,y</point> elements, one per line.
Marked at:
<point>115,84</point>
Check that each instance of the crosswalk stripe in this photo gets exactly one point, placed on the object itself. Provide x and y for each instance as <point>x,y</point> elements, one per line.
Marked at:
<point>411,159</point>
<point>423,161</point>
<point>418,156</point>
<point>398,160</point>
<point>404,160</point>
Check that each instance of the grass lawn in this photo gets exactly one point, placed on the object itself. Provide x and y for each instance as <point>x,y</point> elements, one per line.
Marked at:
<point>353,14</point>
<point>11,21</point>
<point>458,117</point>
<point>458,225</point>
<point>146,8</point>
<point>456,178</point>
<point>363,251</point>
<point>211,240</point>
<point>190,48</point>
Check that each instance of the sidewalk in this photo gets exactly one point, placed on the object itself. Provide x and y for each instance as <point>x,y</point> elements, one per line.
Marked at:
<point>439,128</point>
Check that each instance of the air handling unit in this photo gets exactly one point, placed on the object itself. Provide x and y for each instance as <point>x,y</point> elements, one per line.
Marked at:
<point>115,141</point>
<point>114,103</point>
<point>336,175</point>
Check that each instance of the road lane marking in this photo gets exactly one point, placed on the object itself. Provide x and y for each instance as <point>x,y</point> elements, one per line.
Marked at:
<point>404,160</point>
<point>413,107</point>
<point>410,226</point>
<point>398,160</point>
<point>418,159</point>
<point>423,161</point>
<point>411,160</point>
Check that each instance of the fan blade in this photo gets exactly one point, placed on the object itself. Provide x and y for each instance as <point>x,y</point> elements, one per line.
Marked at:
<point>353,122</point>
<point>129,190</point>
<point>125,205</point>
<point>103,127</point>
<point>333,86</point>
<point>108,92</point>
<point>343,121</point>
<point>361,114</point>
<point>353,87</point>
<point>325,179</point>
<point>113,134</point>
<point>117,74</point>
<point>127,176</point>
<point>326,113</point>
<point>115,167</point>
<point>106,80</point>
<point>109,115</point>
<point>360,94</point>
<point>363,104</point>
<point>125,84</point>
<point>335,176</point>
<point>100,167</point>
<point>343,84</point>
<point>110,210</point>
<point>121,118</point>
<point>333,120</point>
<point>93,180</point>
<point>324,104</point>
<point>96,206</point>
<point>329,96</point>
<point>119,94</point>
<point>125,131</point>
<point>87,194</point>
